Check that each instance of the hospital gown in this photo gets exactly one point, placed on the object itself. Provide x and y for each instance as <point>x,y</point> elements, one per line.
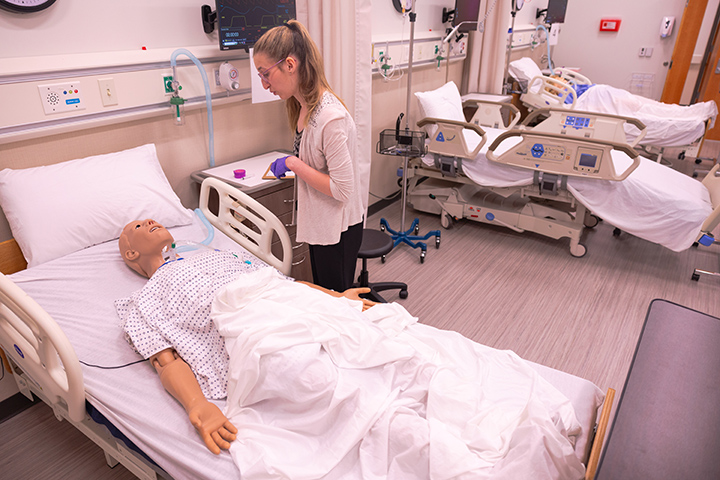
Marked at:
<point>173,311</point>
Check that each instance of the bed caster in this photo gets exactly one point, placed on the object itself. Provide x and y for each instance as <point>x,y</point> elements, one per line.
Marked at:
<point>578,250</point>
<point>617,232</point>
<point>695,276</point>
<point>591,221</point>
<point>698,161</point>
<point>445,220</point>
<point>403,294</point>
<point>681,155</point>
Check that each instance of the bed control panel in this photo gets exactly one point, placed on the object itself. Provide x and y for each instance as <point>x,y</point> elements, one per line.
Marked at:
<point>587,160</point>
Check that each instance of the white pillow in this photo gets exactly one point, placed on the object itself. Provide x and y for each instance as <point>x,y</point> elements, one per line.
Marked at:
<point>444,102</point>
<point>58,209</point>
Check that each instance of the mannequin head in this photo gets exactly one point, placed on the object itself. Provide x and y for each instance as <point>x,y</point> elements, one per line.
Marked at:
<point>142,243</point>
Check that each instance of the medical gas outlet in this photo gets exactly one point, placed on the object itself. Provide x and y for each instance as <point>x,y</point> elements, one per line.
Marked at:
<point>228,77</point>
<point>61,97</point>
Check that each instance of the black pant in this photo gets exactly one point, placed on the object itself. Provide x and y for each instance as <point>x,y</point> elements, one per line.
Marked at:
<point>333,266</point>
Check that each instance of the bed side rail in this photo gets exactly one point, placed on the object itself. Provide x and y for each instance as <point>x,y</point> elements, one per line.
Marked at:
<point>32,339</point>
<point>247,222</point>
<point>548,92</point>
<point>490,114</point>
<point>571,76</point>
<point>449,139</point>
<point>600,435</point>
<point>562,155</point>
<point>601,126</point>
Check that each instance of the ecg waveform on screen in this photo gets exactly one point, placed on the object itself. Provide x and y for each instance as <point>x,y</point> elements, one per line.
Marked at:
<point>243,22</point>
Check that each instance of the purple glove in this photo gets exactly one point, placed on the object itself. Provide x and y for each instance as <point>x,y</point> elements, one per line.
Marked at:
<point>278,167</point>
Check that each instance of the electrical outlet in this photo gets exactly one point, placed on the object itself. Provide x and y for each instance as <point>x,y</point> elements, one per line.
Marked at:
<point>641,53</point>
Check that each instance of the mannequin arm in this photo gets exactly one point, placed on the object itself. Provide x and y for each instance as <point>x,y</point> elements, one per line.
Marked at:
<point>178,379</point>
<point>351,293</point>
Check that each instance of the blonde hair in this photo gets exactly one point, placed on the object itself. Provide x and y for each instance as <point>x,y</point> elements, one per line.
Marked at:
<point>293,39</point>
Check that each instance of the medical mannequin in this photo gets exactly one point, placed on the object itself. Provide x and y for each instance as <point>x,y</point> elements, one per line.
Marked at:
<point>144,246</point>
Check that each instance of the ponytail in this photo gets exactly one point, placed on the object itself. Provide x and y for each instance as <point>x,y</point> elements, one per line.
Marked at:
<point>293,39</point>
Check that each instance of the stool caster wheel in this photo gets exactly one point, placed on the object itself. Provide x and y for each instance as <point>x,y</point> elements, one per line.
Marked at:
<point>616,232</point>
<point>437,242</point>
<point>383,258</point>
<point>403,293</point>
<point>422,256</point>
<point>695,277</point>
<point>382,227</point>
<point>417,229</point>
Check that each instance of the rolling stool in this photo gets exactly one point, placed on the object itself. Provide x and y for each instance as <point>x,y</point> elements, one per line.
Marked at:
<point>376,244</point>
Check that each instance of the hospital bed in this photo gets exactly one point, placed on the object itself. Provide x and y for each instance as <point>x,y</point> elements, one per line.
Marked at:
<point>558,177</point>
<point>59,328</point>
<point>667,125</point>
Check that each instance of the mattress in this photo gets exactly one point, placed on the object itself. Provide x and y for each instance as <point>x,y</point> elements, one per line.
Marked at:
<point>78,291</point>
<point>654,202</point>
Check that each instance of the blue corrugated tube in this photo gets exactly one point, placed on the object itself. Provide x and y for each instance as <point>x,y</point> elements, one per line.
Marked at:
<point>208,98</point>
<point>547,42</point>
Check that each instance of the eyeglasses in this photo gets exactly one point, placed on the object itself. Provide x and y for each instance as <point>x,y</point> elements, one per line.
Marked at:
<point>266,73</point>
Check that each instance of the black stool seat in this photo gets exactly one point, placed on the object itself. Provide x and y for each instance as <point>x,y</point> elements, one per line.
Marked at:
<point>376,244</point>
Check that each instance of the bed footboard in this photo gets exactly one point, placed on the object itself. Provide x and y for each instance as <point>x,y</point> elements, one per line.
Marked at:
<point>34,342</point>
<point>247,222</point>
<point>600,435</point>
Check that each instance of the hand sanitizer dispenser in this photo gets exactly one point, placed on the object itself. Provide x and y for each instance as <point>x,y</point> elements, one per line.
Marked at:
<point>666,26</point>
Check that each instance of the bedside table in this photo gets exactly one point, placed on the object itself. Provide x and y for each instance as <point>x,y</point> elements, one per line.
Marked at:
<point>276,195</point>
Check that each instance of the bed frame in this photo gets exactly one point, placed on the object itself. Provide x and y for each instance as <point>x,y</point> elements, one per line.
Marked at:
<point>45,365</point>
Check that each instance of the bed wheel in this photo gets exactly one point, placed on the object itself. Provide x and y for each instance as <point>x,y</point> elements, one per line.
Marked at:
<point>681,155</point>
<point>403,293</point>
<point>695,276</point>
<point>578,250</point>
<point>591,221</point>
<point>445,220</point>
<point>698,161</point>
<point>616,232</point>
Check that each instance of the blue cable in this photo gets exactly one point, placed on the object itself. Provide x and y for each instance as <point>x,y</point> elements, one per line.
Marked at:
<point>208,98</point>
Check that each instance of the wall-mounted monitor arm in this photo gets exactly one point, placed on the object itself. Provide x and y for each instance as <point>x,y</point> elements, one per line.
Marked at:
<point>209,17</point>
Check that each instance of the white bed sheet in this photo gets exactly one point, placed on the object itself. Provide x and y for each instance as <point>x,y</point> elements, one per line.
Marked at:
<point>78,291</point>
<point>655,202</point>
<point>668,125</point>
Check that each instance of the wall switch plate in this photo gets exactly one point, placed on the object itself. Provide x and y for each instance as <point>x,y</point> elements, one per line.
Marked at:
<point>61,97</point>
<point>108,94</point>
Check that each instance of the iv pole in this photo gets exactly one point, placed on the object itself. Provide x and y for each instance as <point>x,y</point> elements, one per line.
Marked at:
<point>403,236</point>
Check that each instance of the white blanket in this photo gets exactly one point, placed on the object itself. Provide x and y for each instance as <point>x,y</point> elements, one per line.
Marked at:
<point>655,202</point>
<point>668,125</point>
<point>320,389</point>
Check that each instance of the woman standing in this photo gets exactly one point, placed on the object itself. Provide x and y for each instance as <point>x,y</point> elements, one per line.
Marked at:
<point>331,203</point>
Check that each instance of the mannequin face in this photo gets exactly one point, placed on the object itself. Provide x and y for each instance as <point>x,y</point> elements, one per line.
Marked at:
<point>278,77</point>
<point>141,245</point>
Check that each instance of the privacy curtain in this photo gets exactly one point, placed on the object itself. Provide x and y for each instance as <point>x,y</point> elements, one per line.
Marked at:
<point>342,32</point>
<point>485,65</point>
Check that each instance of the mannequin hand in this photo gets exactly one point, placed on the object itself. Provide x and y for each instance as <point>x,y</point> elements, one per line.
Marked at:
<point>278,167</point>
<point>354,294</point>
<point>215,429</point>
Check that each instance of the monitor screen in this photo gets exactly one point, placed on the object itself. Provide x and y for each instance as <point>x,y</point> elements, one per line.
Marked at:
<point>588,160</point>
<point>242,22</point>
<point>556,11</point>
<point>466,11</point>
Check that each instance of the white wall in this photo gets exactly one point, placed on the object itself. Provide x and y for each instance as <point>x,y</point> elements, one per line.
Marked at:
<point>612,57</point>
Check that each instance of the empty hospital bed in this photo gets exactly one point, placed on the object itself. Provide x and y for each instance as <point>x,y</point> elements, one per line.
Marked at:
<point>667,125</point>
<point>557,178</point>
<point>57,320</point>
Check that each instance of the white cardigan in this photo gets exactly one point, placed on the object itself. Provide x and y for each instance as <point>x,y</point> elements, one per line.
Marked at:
<point>329,145</point>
